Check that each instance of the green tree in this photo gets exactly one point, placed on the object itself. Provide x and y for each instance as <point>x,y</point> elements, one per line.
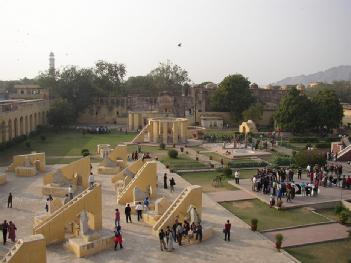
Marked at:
<point>141,85</point>
<point>233,95</point>
<point>61,114</point>
<point>109,77</point>
<point>169,76</point>
<point>294,112</point>
<point>328,110</point>
<point>254,112</point>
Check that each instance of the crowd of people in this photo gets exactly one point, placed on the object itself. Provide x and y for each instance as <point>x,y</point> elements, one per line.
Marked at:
<point>281,182</point>
<point>178,232</point>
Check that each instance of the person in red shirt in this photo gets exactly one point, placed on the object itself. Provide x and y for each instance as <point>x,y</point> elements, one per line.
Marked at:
<point>226,231</point>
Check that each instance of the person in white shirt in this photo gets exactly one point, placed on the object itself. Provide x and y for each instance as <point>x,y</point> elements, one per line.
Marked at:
<point>254,183</point>
<point>139,209</point>
<point>70,192</point>
<point>237,176</point>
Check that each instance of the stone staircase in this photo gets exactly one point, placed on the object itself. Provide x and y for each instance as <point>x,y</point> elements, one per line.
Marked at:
<point>53,228</point>
<point>343,155</point>
<point>190,195</point>
<point>131,183</point>
<point>9,255</point>
<point>140,136</point>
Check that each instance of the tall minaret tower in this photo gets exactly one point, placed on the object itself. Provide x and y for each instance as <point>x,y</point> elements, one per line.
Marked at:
<point>52,63</point>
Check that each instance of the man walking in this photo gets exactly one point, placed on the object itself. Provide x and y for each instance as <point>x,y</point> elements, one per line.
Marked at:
<point>9,201</point>
<point>227,228</point>
<point>128,211</point>
<point>5,227</point>
<point>162,235</point>
<point>70,192</point>
<point>139,209</point>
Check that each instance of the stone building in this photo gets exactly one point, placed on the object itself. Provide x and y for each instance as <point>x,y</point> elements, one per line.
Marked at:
<point>21,117</point>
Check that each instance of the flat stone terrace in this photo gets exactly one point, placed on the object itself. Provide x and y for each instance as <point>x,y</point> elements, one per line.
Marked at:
<point>139,244</point>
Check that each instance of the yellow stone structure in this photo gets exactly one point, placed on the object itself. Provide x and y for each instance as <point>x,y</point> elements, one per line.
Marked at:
<point>248,126</point>
<point>76,174</point>
<point>131,170</point>
<point>28,164</point>
<point>53,227</point>
<point>31,249</point>
<point>144,182</point>
<point>115,161</point>
<point>3,179</point>
<point>167,130</point>
<point>21,117</point>
<point>190,196</point>
<point>137,120</point>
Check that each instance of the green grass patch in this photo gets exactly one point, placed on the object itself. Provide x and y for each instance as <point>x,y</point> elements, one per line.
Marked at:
<point>183,162</point>
<point>330,213</point>
<point>216,157</point>
<point>269,218</point>
<point>219,133</point>
<point>205,179</point>
<point>333,251</point>
<point>65,143</point>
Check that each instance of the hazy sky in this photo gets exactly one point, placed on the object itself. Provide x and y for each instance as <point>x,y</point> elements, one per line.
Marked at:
<point>266,40</point>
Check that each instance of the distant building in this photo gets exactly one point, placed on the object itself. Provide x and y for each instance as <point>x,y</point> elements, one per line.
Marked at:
<point>29,91</point>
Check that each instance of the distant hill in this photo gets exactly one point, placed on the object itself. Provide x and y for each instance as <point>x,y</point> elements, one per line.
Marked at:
<point>327,76</point>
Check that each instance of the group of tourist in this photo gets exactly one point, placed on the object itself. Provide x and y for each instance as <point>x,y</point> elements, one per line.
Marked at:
<point>177,233</point>
<point>8,228</point>
<point>171,183</point>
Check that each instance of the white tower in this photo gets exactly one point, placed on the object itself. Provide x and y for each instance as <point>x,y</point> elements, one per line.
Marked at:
<point>52,63</point>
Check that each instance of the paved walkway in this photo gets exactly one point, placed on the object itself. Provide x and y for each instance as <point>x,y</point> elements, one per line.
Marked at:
<point>139,244</point>
<point>310,234</point>
<point>226,196</point>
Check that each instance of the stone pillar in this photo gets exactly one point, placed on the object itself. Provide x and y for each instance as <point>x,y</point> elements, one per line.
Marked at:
<point>156,131</point>
<point>183,132</point>
<point>131,121</point>
<point>151,131</point>
<point>164,132</point>
<point>136,121</point>
<point>175,132</point>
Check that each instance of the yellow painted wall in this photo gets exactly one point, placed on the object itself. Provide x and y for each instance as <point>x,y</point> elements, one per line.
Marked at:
<point>145,177</point>
<point>81,167</point>
<point>53,227</point>
<point>19,160</point>
<point>31,249</point>
<point>134,168</point>
<point>192,195</point>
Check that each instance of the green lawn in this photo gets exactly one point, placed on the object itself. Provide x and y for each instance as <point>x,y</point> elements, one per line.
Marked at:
<point>269,218</point>
<point>183,162</point>
<point>247,173</point>
<point>330,213</point>
<point>216,157</point>
<point>204,179</point>
<point>334,251</point>
<point>220,132</point>
<point>65,143</point>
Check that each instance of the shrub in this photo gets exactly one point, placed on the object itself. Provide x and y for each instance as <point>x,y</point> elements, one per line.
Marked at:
<point>254,222</point>
<point>42,138</point>
<point>172,153</point>
<point>312,157</point>
<point>28,144</point>
<point>248,164</point>
<point>322,145</point>
<point>304,140</point>
<point>227,172</point>
<point>278,241</point>
<point>281,161</point>
<point>162,146</point>
<point>181,149</point>
<point>339,208</point>
<point>219,170</point>
<point>85,152</point>
<point>343,216</point>
<point>210,157</point>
